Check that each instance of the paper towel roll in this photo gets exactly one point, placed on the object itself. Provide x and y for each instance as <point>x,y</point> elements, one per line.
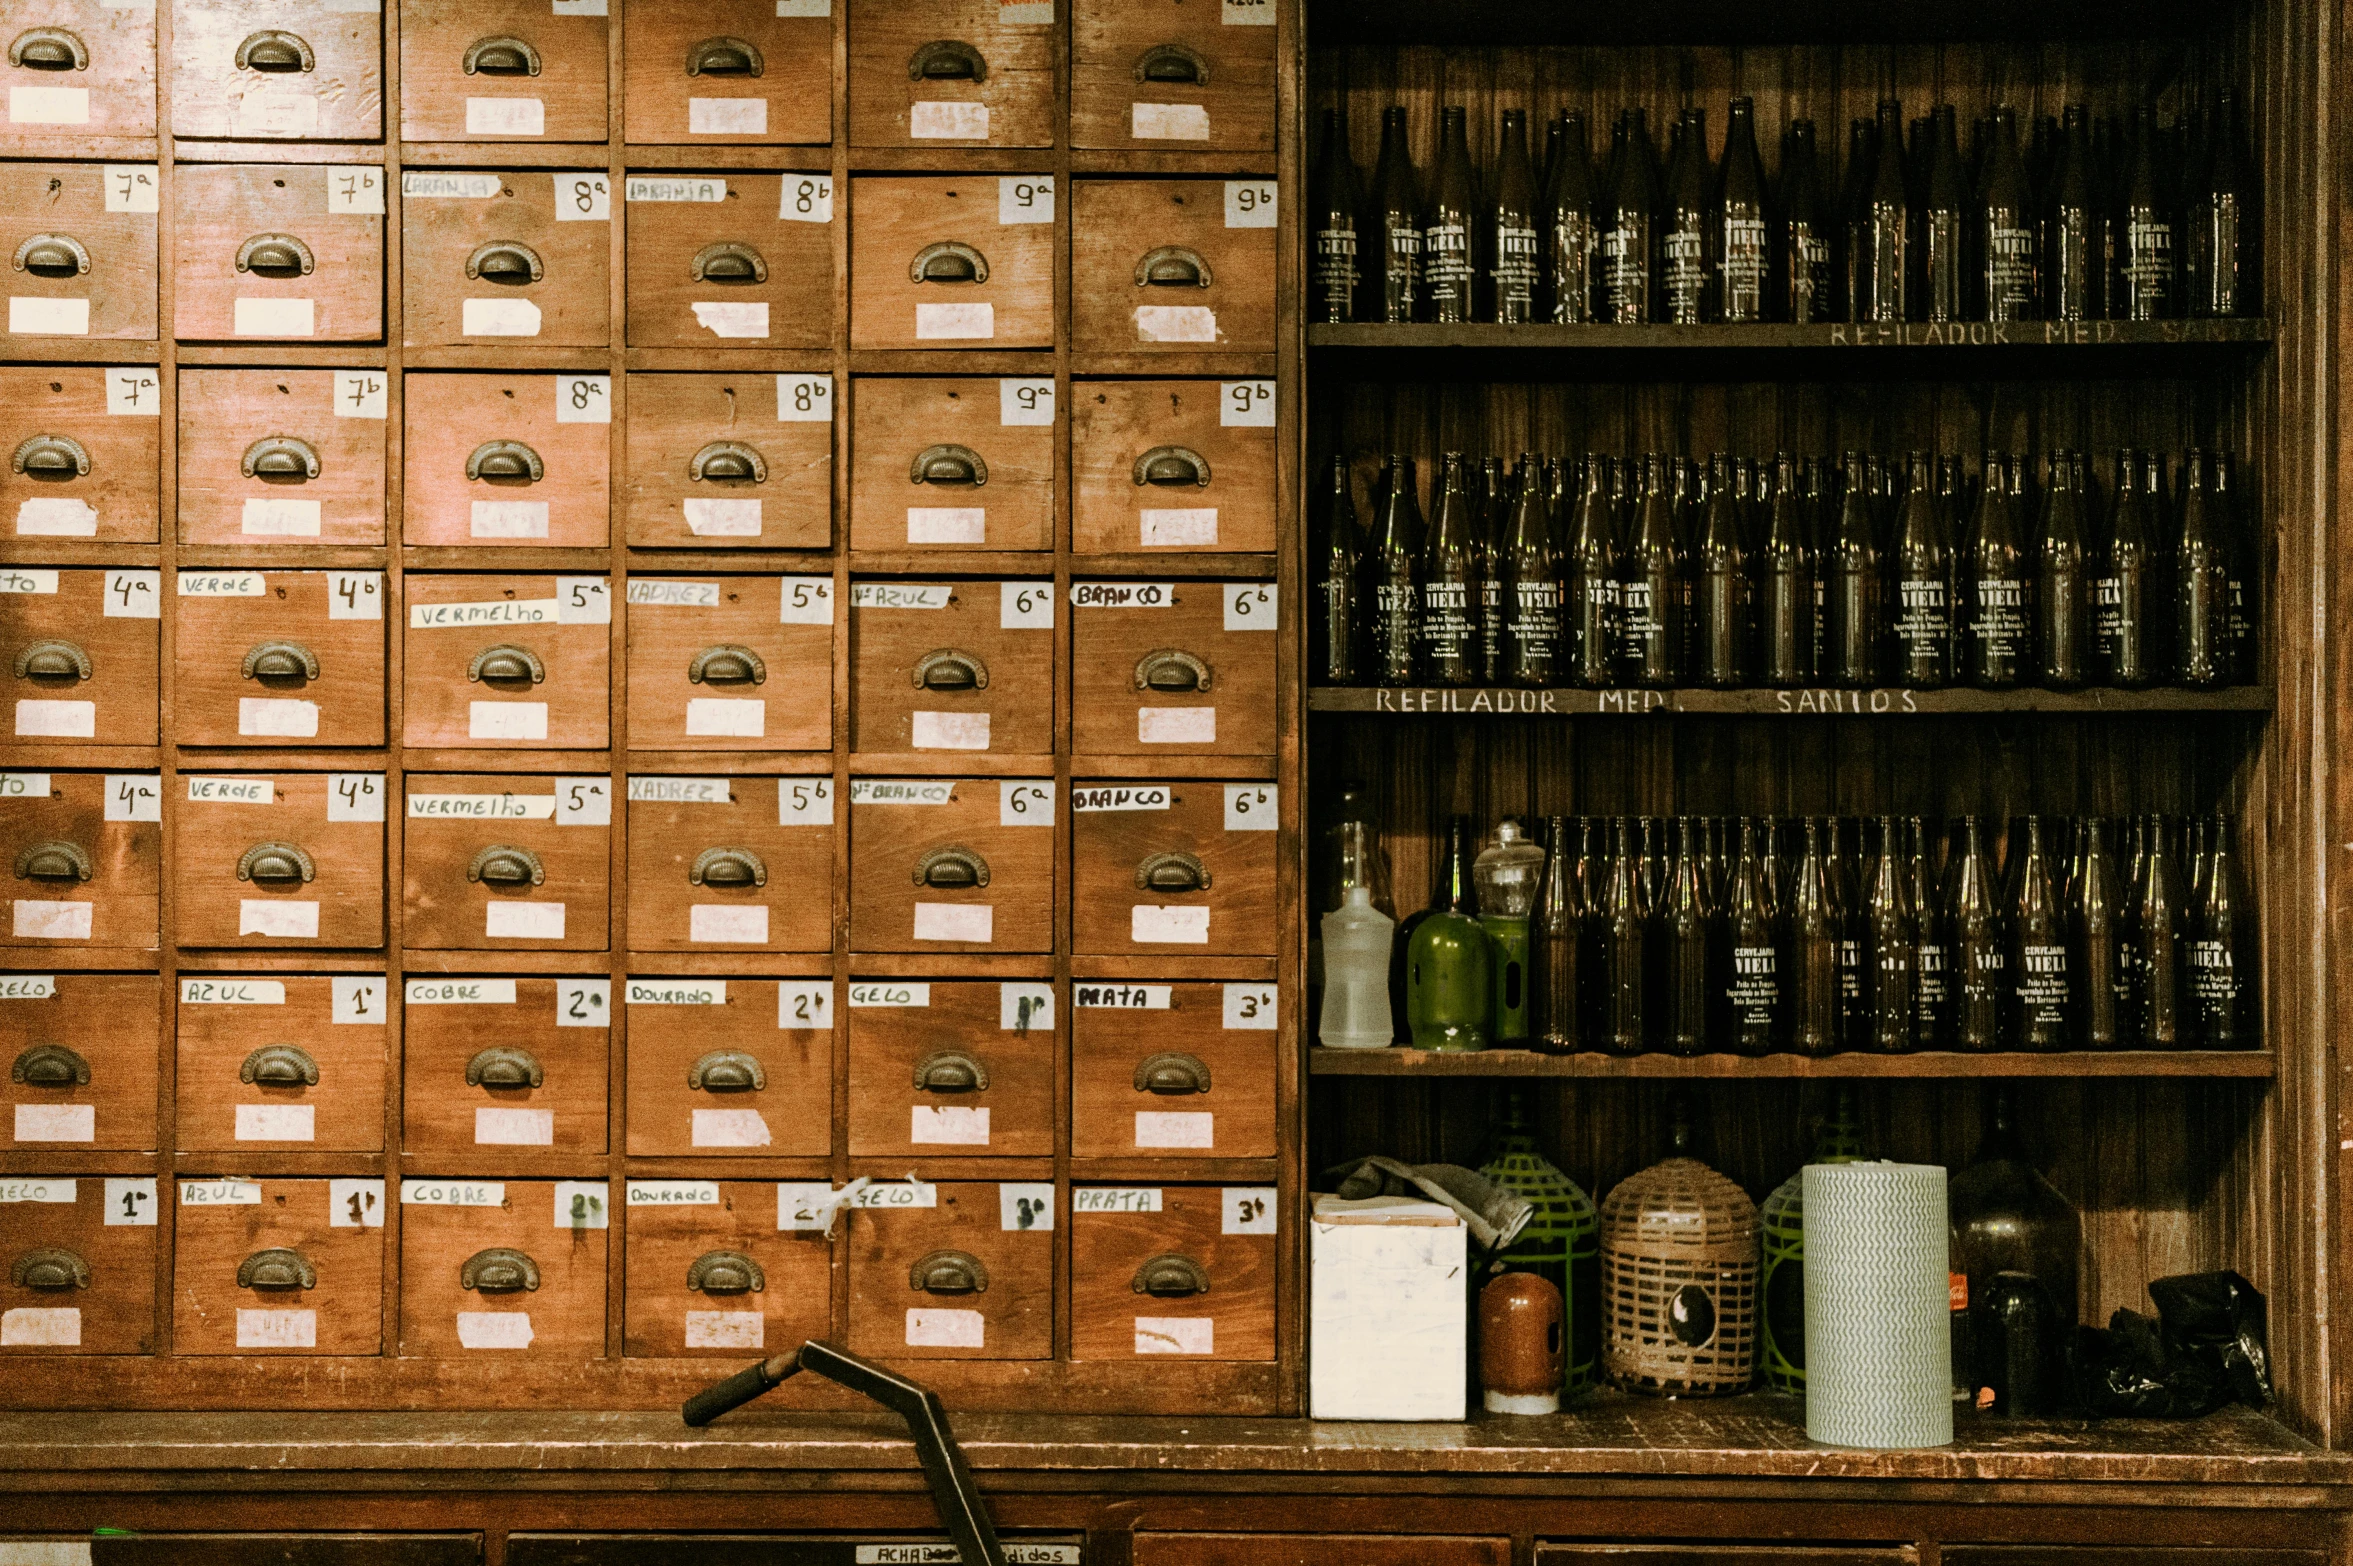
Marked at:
<point>1878,1306</point>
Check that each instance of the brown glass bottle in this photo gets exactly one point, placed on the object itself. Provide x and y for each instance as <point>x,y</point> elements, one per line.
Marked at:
<point>1683,232</point>
<point>1977,945</point>
<point>1557,942</point>
<point>1332,213</point>
<point>2040,1002</point>
<point>1686,933</point>
<point>2096,954</point>
<point>1528,578</point>
<point>1495,497</point>
<point>1396,577</point>
<point>1589,581</point>
<point>1739,244</point>
<point>2073,215</point>
<point>1886,224</point>
<point>1852,586</point>
<point>1932,995</point>
<point>1571,243</point>
<point>2145,287</point>
<point>2006,227</point>
<point>1748,945</point>
<point>1448,629</point>
<point>1722,607</point>
<point>1785,584</point>
<point>1508,228</point>
<point>1814,931</point>
<point>2203,565</point>
<point>2127,592</point>
<point>1922,570</point>
<point>2166,1017</point>
<point>1629,225</point>
<point>1624,926</point>
<point>2000,623</point>
<point>2062,583</point>
<point>2220,272</point>
<point>1449,216</point>
<point>1940,224</point>
<point>1808,286</point>
<point>1890,936</point>
<point>2218,944</point>
<point>1393,252</point>
<point>2017,1248</point>
<point>1650,584</point>
<point>2239,580</point>
<point>1342,624</point>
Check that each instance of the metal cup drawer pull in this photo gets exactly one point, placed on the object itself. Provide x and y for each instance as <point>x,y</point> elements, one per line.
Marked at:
<point>728,867</point>
<point>947,60</point>
<point>505,462</point>
<point>499,1270</point>
<point>726,1272</point>
<point>1172,1073</point>
<point>508,262</point>
<point>276,255</point>
<point>948,1272</point>
<point>728,462</point>
<point>280,660</point>
<point>506,664</point>
<point>1172,669</point>
<point>727,664</point>
<point>950,1071</point>
<point>1171,1277</point>
<point>948,464</point>
<point>1170,62</point>
<point>281,457</point>
<point>948,261</point>
<point>53,659</point>
<point>280,1065</point>
<point>1172,266</point>
<point>54,861</point>
<point>277,862</point>
<point>502,864</point>
<point>725,57</point>
<point>50,1065</point>
<point>49,49</point>
<point>727,1071</point>
<point>505,1066</point>
<point>275,52</point>
<point>51,1267</point>
<point>953,868</point>
<point>501,57</point>
<point>277,1268</point>
<point>52,459</point>
<point>950,669</point>
<point>53,255</point>
<point>1172,872</point>
<point>728,261</point>
<point>1172,467</point>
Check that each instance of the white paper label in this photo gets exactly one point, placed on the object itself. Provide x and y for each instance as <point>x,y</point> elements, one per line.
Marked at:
<point>1106,796</point>
<point>1176,324</point>
<point>134,595</point>
<point>453,1193</point>
<point>354,190</point>
<point>494,1329</point>
<point>56,1122</point>
<point>508,519</point>
<point>727,116</point>
<point>1250,606</point>
<point>1176,1335</point>
<point>130,1202</point>
<point>232,992</point>
<point>27,579</point>
<point>804,1003</point>
<point>1025,1007</point>
<point>279,318</point>
<point>932,120</point>
<point>730,1128</point>
<point>889,992</point>
<point>506,720</point>
<point>1246,1209</point>
<point>355,1204</point>
<point>49,106</point>
<point>803,1206</point>
<point>676,992</point>
<point>584,600</point>
<point>580,1204</point>
<point>131,187</point>
<point>1115,1199</point>
<point>901,595</point>
<point>717,922</point>
<point>951,922</point>
<point>460,992</point>
<point>1025,606</point>
<point>1025,402</point>
<point>355,796</point>
<point>27,986</point>
<point>722,518</point>
<point>1171,1128</point>
<point>580,7</point>
<point>60,719</point>
<point>497,318</point>
<point>355,595</point>
<point>944,1328</point>
<point>523,921</point>
<point>277,1123</point>
<point>804,801</point>
<point>731,318</point>
<point>56,317</point>
<point>1025,13</point>
<point>1024,803</point>
<point>947,524</point>
<point>220,1193</point>
<point>1250,203</point>
<point>1176,725</point>
<point>804,7</point>
<point>63,1192</point>
<point>286,918</point>
<point>268,1329</point>
<point>510,611</point>
<point>804,399</point>
<point>901,791</point>
<point>1025,198</point>
<point>584,399</point>
<point>933,322</point>
<point>1179,527</point>
<point>584,198</point>
<point>584,1003</point>
<point>732,717</point>
<point>679,791</point>
<point>673,188</point>
<point>804,600</point>
<point>1246,404</point>
<point>1251,807</point>
<point>506,117</point>
<point>481,807</point>
<point>1168,122</point>
<point>359,394</point>
<point>1247,13</point>
<point>38,920</point>
<point>1121,997</point>
<point>951,1127</point>
<point>673,1193</point>
<point>1025,1207</point>
<point>1250,1006</point>
<point>288,717</point>
<point>32,1326</point>
<point>1122,595</point>
<point>805,198</point>
<point>514,1127</point>
<point>136,393</point>
<point>725,1329</point>
<point>56,517</point>
<point>1168,924</point>
<point>134,796</point>
<point>358,999</point>
<point>472,187</point>
<point>931,730</point>
<point>279,518</point>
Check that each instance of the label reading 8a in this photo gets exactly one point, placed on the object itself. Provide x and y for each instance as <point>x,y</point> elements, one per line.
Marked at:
<point>359,394</point>
<point>584,198</point>
<point>1025,401</point>
<point>807,198</point>
<point>1025,198</point>
<point>1250,203</point>
<point>1025,804</point>
<point>804,801</point>
<point>584,1003</point>
<point>1250,807</point>
<point>356,191</point>
<point>804,1003</point>
<point>1025,606</point>
<point>589,802</point>
<point>1246,404</point>
<point>804,399</point>
<point>584,399</point>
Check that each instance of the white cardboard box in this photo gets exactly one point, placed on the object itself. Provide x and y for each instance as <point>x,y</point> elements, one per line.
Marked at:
<point>1388,1311</point>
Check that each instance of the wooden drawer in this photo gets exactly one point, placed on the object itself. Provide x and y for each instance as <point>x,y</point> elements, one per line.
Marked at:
<point>963,262</point>
<point>952,1069</point>
<point>1173,266</point>
<point>500,862</point>
<point>108,90</point>
<point>278,1267</point>
<point>286,456</point>
<point>84,450</point>
<point>1172,1070</point>
<point>293,1063</point>
<point>277,69</point>
<point>957,73</point>
<point>961,1270</point>
<point>264,657</point>
<point>286,859</point>
<point>1711,1552</point>
<point>953,865</point>
<point>501,70</point>
<point>283,251</point>
<point>731,864</point>
<point>1172,465</point>
<point>1317,1549</point>
<point>517,1269</point>
<point>87,850</point>
<point>1185,866</point>
<point>77,1265</point>
<point>1164,73</point>
<point>729,71</point>
<point>83,649</point>
<point>731,663</point>
<point>721,1267</point>
<point>89,256</point>
<point>731,260</point>
<point>730,461</point>
<point>80,1049</point>
<point>519,254</point>
<point>506,460</point>
<point>1183,668</point>
<point>507,662</point>
<point>721,1067</point>
<point>952,666</point>
<point>1186,1271</point>
<point>961,463</point>
<point>530,1072</point>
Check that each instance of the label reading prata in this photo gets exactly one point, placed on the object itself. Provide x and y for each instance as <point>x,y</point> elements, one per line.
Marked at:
<point>1121,997</point>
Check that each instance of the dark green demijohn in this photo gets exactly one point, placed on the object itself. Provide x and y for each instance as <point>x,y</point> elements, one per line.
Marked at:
<point>1561,1243</point>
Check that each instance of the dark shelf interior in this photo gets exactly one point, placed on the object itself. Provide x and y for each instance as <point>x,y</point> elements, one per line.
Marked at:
<point>1811,702</point>
<point>1491,1063</point>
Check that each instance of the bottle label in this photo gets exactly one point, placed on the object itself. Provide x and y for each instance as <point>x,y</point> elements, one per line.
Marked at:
<point>1850,972</point>
<point>2148,266</point>
<point>1570,266</point>
<point>1446,266</point>
<point>2107,612</point>
<point>1683,254</point>
<point>1809,274</point>
<point>1394,606</point>
<point>1515,274</point>
<point>1625,271</point>
<point>2216,240</point>
<point>1932,987</point>
<point>1491,624</point>
<point>1335,271</point>
<point>2009,269</point>
<point>1535,621</point>
<point>1602,614</point>
<point>2238,622</point>
<point>1340,606</point>
<point>1446,619</point>
<point>1957,1289</point>
<point>1744,268</point>
<point>2042,986</point>
<point>1924,620</point>
<point>1755,991</point>
<point>2000,622</point>
<point>2214,978</point>
<point>1636,616</point>
<point>1400,282</point>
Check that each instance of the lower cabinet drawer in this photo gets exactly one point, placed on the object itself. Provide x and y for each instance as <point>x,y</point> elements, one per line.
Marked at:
<point>83,448</point>
<point>281,859</point>
<point>288,1064</point>
<point>1186,866</point>
<point>1172,465</point>
<point>951,463</point>
<point>958,1270</point>
<point>84,647</point>
<point>504,1062</point>
<point>282,456</point>
<point>1178,1270</point>
<point>504,862</point>
<point>503,1267</point>
<point>1172,1070</point>
<point>720,461</point>
<point>77,1265</point>
<point>730,1067</point>
<point>1316,1549</point>
<point>268,657</point>
<point>508,662</point>
<point>87,852</point>
<point>948,1067</point>
<point>956,865</point>
<point>722,1267</point>
<point>80,1050</point>
<point>731,864</point>
<point>731,663</point>
<point>1173,668</point>
<point>278,1267</point>
<point>945,666</point>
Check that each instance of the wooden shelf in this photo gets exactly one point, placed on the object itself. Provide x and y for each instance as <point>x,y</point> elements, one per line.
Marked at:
<point>1571,701</point>
<point>1399,1061</point>
<point>1342,23</point>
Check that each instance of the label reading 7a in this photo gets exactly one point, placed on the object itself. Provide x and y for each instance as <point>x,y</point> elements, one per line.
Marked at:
<point>135,392</point>
<point>131,187</point>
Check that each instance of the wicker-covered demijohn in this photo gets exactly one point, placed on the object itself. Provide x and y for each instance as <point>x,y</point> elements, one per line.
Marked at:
<point>1679,1282</point>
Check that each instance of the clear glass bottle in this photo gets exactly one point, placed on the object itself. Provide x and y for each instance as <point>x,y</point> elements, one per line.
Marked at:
<point>1357,937</point>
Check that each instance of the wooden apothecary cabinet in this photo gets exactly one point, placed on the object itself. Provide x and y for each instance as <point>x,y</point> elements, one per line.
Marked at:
<point>728,1067</point>
<point>493,1061</point>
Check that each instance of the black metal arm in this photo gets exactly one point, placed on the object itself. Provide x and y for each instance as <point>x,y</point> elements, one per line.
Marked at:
<point>952,1489</point>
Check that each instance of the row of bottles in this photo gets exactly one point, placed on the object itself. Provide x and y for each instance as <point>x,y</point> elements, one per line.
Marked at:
<point>2079,219</point>
<point>1759,936</point>
<point>1659,573</point>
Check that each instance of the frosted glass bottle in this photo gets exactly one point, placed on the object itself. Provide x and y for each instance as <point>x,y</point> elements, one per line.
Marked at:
<point>1356,974</point>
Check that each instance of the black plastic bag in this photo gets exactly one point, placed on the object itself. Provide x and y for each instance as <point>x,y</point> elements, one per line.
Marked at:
<point>2215,1327</point>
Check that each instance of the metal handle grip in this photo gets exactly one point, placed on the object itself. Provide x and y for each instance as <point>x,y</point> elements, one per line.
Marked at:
<point>725,1396</point>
